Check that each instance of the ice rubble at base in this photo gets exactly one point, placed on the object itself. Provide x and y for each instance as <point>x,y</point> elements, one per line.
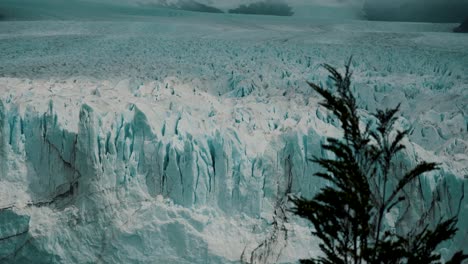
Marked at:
<point>180,169</point>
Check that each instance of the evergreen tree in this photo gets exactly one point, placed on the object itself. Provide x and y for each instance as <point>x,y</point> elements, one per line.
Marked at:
<point>348,214</point>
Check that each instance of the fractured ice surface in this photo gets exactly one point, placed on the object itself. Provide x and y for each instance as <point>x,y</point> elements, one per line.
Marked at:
<point>170,141</point>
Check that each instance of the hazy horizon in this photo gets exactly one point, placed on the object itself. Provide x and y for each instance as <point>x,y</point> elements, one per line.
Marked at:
<point>402,10</point>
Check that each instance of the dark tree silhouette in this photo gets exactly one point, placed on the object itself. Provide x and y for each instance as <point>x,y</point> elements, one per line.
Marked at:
<point>348,214</point>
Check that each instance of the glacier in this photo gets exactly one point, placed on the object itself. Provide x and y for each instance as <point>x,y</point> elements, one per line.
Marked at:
<point>177,138</point>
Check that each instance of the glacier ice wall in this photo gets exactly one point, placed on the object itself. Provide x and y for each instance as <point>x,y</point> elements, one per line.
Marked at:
<point>113,161</point>
<point>126,142</point>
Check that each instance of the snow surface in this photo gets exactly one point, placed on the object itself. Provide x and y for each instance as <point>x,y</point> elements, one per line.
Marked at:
<point>176,138</point>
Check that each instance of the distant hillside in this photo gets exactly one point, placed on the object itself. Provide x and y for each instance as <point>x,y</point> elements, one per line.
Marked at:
<point>435,11</point>
<point>264,8</point>
<point>94,10</point>
<point>192,5</point>
<point>463,28</point>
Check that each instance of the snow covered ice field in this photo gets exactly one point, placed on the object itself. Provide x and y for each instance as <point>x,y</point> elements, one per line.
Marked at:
<point>175,138</point>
